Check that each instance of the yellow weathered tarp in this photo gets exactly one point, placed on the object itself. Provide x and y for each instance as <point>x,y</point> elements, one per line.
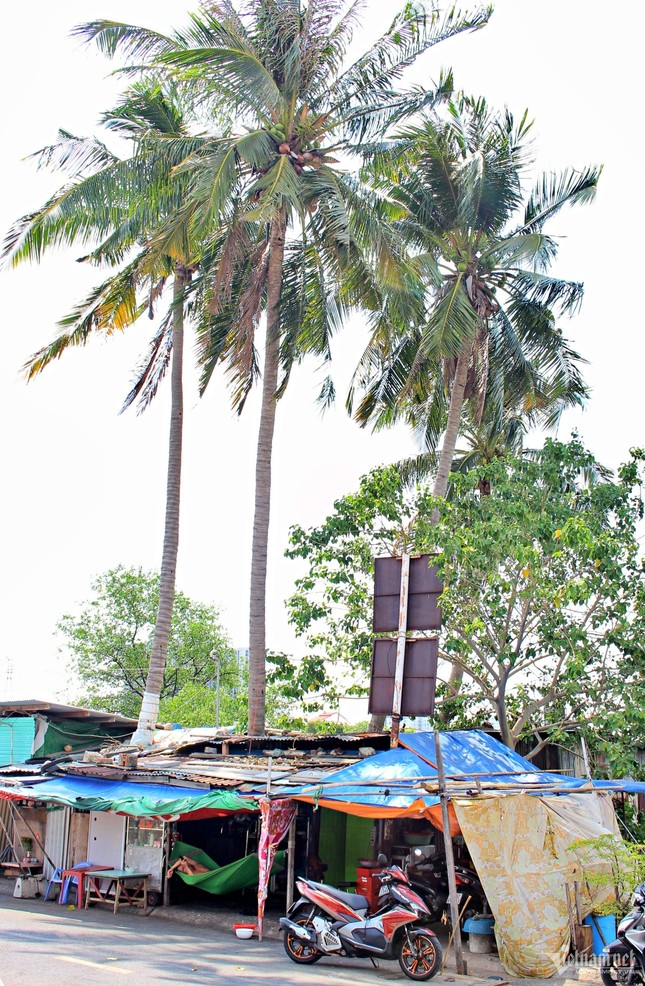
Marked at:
<point>519,845</point>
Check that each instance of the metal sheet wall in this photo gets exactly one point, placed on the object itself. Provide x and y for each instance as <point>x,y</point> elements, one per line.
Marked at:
<point>56,839</point>
<point>16,739</point>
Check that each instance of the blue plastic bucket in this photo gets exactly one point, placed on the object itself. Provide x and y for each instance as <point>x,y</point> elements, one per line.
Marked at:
<point>480,925</point>
<point>602,928</point>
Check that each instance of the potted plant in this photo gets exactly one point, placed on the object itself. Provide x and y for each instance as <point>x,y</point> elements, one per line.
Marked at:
<point>611,865</point>
<point>611,869</point>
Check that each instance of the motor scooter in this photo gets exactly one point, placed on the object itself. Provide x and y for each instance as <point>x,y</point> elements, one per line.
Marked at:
<point>327,921</point>
<point>429,877</point>
<point>622,962</point>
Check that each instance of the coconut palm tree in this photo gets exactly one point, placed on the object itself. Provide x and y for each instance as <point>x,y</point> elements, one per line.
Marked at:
<point>301,240</point>
<point>120,202</point>
<point>489,320</point>
<point>532,401</point>
<point>489,338</point>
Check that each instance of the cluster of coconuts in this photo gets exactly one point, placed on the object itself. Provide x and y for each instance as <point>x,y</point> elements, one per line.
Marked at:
<point>291,147</point>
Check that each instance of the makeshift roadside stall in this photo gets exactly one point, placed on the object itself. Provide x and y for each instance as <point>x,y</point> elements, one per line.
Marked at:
<point>519,845</point>
<point>517,822</point>
<point>147,807</point>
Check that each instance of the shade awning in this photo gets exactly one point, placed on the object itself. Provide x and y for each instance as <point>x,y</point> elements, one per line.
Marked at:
<point>92,794</point>
<point>385,785</point>
<point>404,780</point>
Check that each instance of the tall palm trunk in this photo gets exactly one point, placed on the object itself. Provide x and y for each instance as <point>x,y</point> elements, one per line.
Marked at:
<point>154,682</point>
<point>445,465</point>
<point>260,544</point>
<point>454,421</point>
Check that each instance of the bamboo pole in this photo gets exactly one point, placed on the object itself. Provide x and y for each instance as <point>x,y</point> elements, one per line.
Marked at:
<point>450,860</point>
<point>10,841</point>
<point>13,807</point>
<point>427,778</point>
<point>291,862</point>
<point>167,850</point>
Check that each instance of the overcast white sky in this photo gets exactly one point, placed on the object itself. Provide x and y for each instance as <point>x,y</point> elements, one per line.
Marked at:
<point>84,487</point>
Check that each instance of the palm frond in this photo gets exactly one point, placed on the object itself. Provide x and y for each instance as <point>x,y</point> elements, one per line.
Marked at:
<point>111,306</point>
<point>74,154</point>
<point>553,192</point>
<point>153,369</point>
<point>370,79</point>
<point>114,37</point>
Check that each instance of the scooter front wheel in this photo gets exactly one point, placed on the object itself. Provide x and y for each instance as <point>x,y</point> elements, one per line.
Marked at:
<point>298,949</point>
<point>420,954</point>
<point>619,967</point>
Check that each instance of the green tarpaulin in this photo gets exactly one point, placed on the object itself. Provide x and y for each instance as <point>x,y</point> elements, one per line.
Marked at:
<point>222,879</point>
<point>92,794</point>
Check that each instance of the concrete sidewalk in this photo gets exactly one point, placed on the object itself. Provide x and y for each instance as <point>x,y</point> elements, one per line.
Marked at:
<point>482,968</point>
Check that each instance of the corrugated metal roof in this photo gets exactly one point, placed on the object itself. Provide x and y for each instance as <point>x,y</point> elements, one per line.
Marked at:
<point>54,711</point>
<point>29,769</point>
<point>245,774</point>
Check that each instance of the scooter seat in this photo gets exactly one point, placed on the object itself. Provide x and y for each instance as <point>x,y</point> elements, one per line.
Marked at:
<point>357,902</point>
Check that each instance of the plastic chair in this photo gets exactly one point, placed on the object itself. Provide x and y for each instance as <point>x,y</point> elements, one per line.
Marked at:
<point>55,878</point>
<point>71,881</point>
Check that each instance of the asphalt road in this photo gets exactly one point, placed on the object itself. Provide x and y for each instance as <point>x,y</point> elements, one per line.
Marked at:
<point>48,944</point>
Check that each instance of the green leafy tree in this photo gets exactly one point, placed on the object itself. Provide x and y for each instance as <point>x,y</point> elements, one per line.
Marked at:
<point>109,639</point>
<point>331,607</point>
<point>611,868</point>
<point>300,242</point>
<point>543,591</point>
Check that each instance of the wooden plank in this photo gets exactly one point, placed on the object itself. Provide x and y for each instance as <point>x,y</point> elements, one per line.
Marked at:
<point>583,939</point>
<point>570,910</point>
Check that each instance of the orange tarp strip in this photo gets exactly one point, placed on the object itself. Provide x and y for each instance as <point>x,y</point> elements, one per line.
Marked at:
<point>434,815</point>
<point>416,809</point>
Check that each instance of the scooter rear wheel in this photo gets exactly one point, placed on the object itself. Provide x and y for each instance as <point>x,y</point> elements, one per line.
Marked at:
<point>420,954</point>
<point>296,948</point>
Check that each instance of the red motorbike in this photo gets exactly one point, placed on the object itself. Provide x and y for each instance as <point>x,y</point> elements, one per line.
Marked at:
<point>326,921</point>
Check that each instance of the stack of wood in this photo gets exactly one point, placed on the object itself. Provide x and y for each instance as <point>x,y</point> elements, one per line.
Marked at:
<point>581,934</point>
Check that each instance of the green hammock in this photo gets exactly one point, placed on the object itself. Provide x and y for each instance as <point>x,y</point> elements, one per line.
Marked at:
<point>222,879</point>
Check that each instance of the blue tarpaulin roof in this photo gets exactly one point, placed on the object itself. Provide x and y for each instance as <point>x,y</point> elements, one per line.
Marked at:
<point>393,779</point>
<point>473,753</point>
<point>384,780</point>
<point>470,753</point>
<point>131,798</point>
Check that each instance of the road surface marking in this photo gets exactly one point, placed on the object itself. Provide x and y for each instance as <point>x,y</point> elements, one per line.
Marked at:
<point>94,965</point>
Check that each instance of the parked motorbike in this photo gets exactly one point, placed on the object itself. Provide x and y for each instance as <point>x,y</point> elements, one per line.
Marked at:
<point>622,962</point>
<point>326,921</point>
<point>429,877</point>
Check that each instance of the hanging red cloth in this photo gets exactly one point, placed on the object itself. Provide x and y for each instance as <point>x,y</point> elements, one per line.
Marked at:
<point>276,819</point>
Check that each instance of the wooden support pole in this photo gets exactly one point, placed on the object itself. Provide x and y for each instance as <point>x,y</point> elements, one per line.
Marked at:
<point>397,695</point>
<point>450,859</point>
<point>452,933</point>
<point>291,862</point>
<point>10,840</point>
<point>167,851</point>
